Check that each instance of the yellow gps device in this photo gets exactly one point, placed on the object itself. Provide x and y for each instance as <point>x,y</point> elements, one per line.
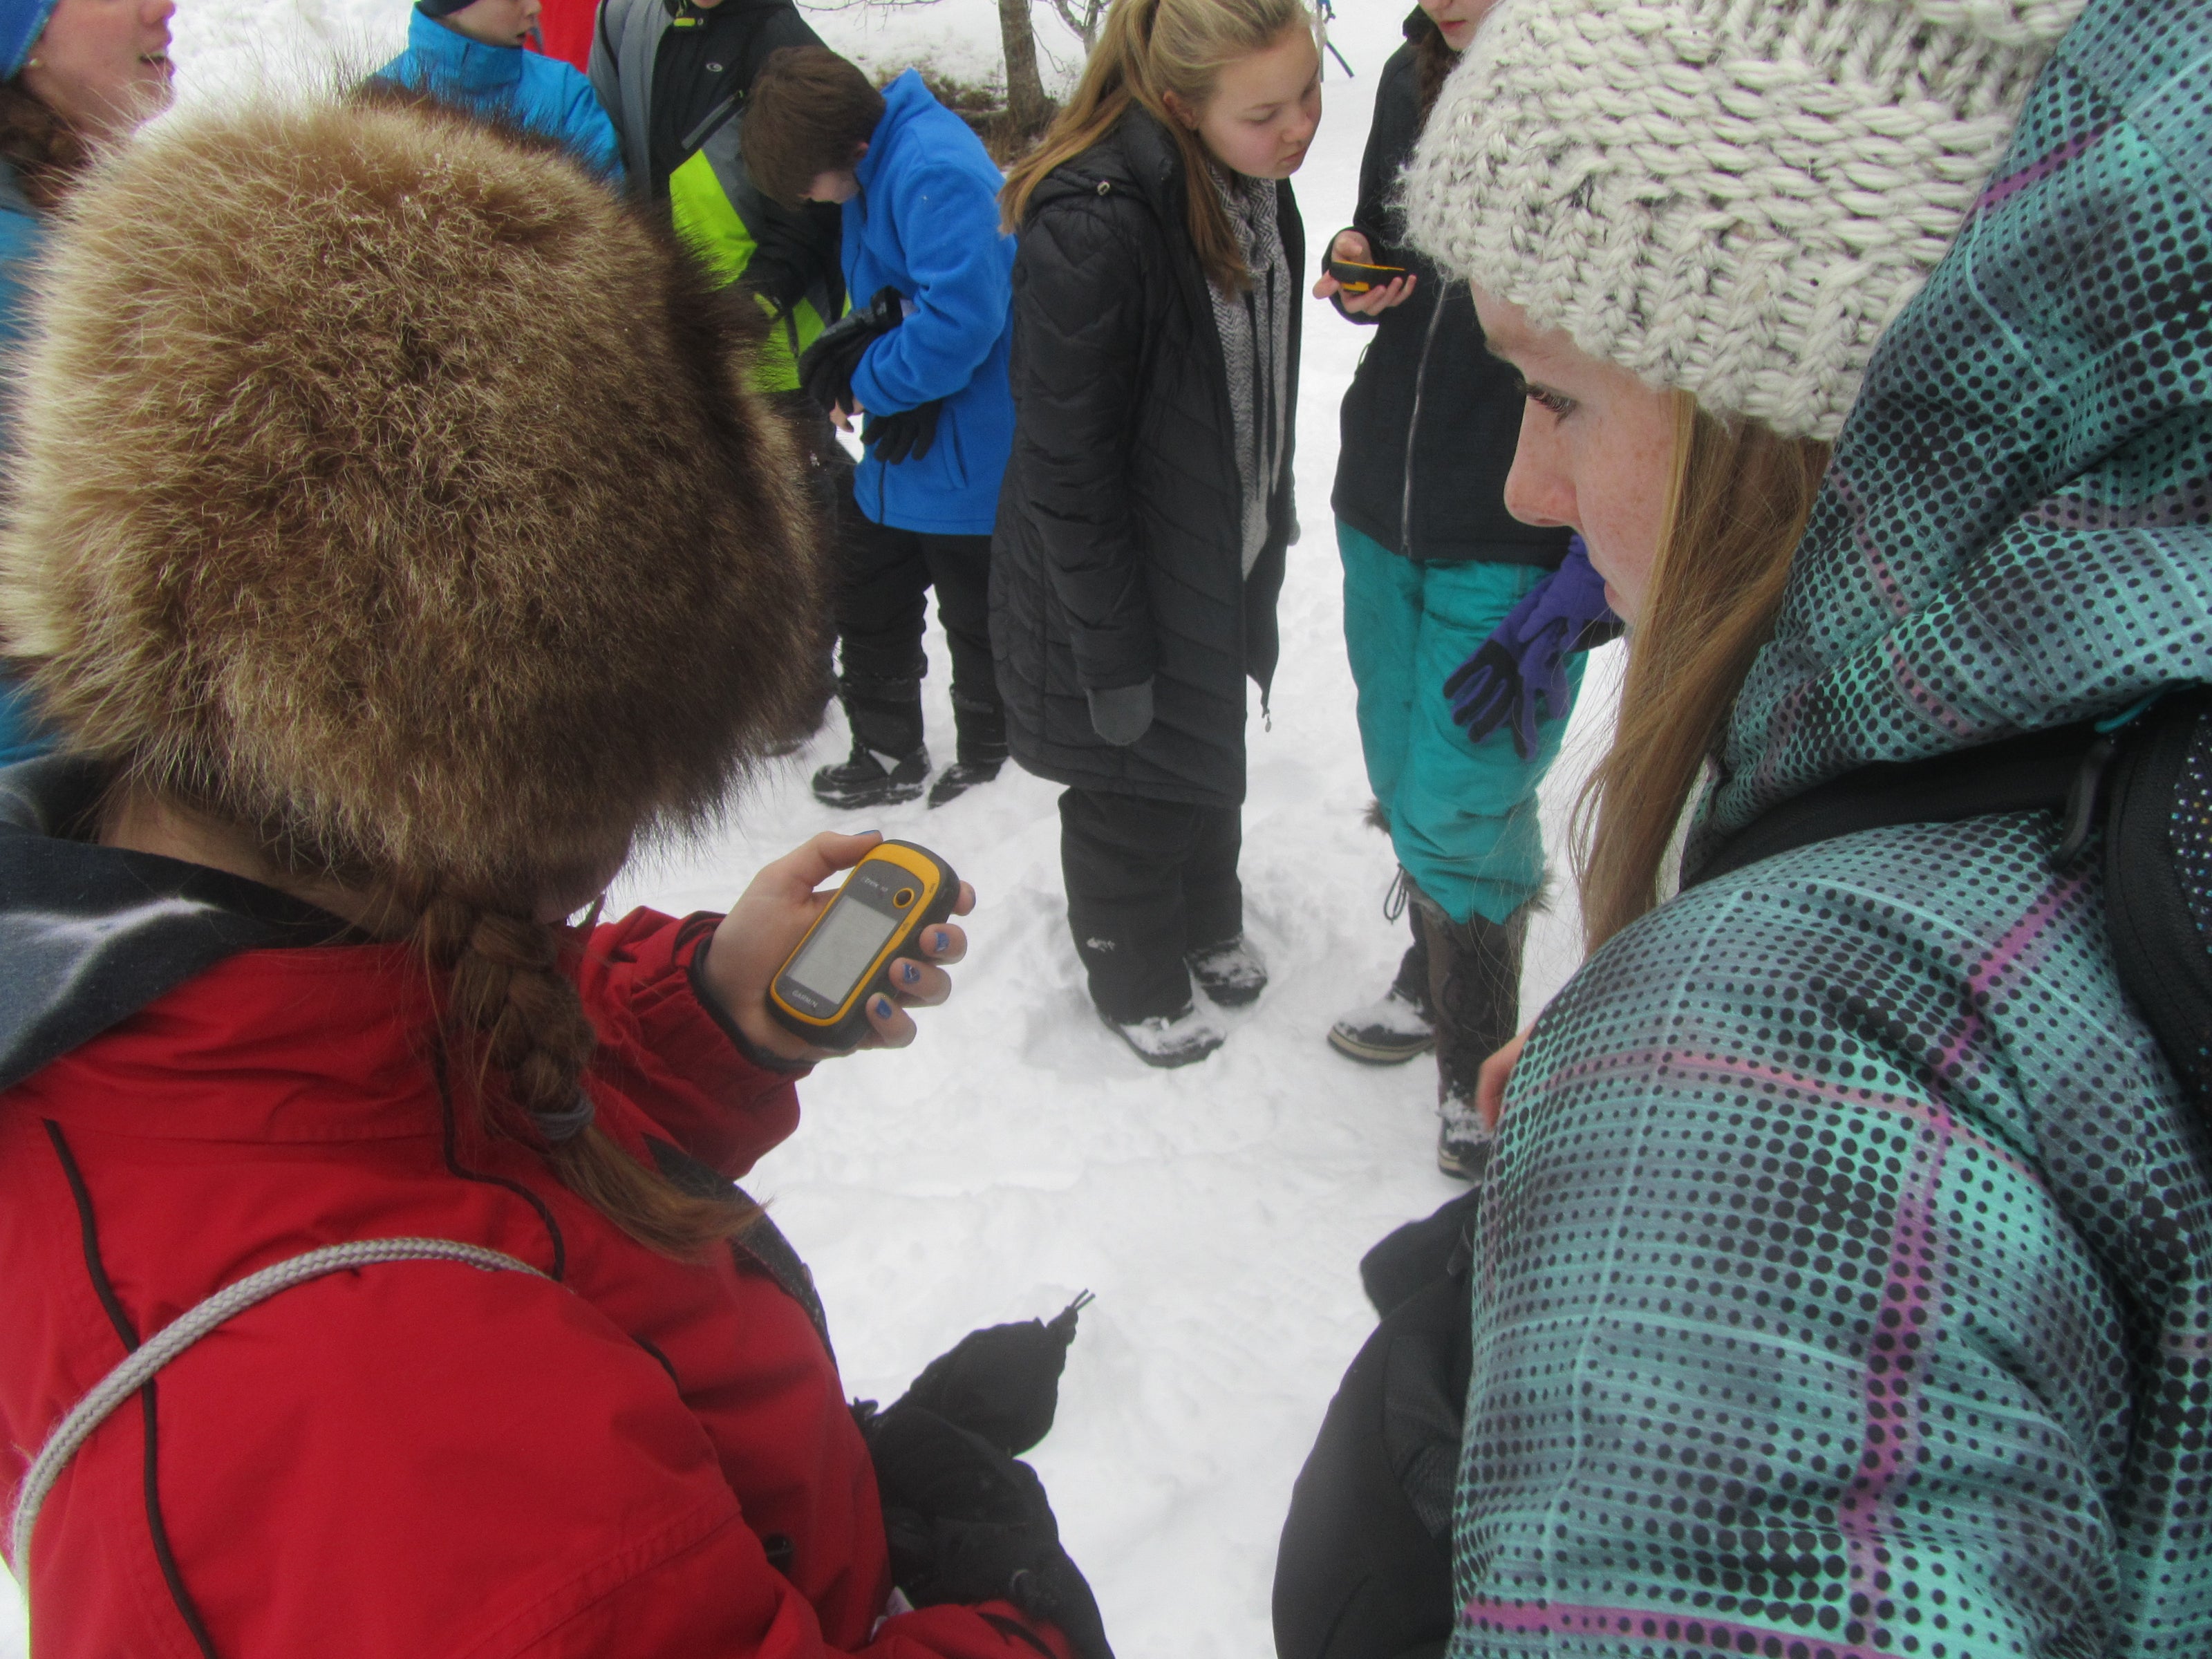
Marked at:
<point>823,988</point>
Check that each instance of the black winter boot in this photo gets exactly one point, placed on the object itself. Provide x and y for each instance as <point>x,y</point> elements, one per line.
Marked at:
<point>957,779</point>
<point>1474,988</point>
<point>1391,1031</point>
<point>980,724</point>
<point>889,763</point>
<point>871,778</point>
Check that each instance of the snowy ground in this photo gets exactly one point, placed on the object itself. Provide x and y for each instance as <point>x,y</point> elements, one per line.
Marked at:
<point>1018,1153</point>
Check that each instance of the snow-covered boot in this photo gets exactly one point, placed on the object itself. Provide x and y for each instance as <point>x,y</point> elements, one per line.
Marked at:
<point>979,724</point>
<point>889,763</point>
<point>957,779</point>
<point>1231,974</point>
<point>1475,988</point>
<point>871,778</point>
<point>1167,1040</point>
<point>1391,1031</point>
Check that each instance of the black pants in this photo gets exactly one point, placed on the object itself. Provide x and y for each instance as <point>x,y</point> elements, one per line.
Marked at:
<point>886,575</point>
<point>1148,882</point>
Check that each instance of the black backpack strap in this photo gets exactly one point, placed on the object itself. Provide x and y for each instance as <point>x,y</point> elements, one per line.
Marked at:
<point>2057,770</point>
<point>2158,880</point>
<point>2157,813</point>
<point>762,1245</point>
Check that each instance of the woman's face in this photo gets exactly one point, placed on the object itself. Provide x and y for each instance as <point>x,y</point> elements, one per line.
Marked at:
<point>1457,20</point>
<point>1264,110</point>
<point>103,65</point>
<point>1597,451</point>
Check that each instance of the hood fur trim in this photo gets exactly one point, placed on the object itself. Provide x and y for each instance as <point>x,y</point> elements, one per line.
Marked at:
<point>388,484</point>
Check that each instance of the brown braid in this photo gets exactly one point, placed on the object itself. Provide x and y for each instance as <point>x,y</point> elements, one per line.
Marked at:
<point>1433,63</point>
<point>510,1001</point>
<point>46,152</point>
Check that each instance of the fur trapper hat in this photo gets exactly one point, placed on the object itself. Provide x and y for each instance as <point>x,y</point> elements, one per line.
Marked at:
<point>389,486</point>
<point>1733,198</point>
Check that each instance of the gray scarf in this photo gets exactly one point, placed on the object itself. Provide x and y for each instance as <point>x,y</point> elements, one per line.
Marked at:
<point>1255,340</point>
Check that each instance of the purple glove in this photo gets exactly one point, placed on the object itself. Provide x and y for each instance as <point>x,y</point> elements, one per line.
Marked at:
<point>1524,661</point>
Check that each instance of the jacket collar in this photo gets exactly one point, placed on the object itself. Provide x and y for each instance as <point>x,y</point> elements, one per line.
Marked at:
<point>91,934</point>
<point>451,60</point>
<point>903,99</point>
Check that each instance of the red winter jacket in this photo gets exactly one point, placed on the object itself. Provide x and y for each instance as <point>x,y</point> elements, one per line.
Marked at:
<point>647,1458</point>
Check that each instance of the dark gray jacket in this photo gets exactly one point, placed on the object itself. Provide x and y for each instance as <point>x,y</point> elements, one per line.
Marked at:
<point>1116,559</point>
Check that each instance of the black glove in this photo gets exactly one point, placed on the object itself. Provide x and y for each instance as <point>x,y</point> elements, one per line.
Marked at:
<point>966,1524</point>
<point>1122,714</point>
<point>906,435</point>
<point>826,367</point>
<point>1003,1383</point>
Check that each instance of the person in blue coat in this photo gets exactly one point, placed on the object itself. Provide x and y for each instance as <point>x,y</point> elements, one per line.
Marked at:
<point>471,54</point>
<point>926,365</point>
<point>74,74</point>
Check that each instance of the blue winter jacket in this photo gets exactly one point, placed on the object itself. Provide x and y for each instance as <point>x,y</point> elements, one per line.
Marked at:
<point>926,223</point>
<point>1844,1286</point>
<point>21,236</point>
<point>508,84</point>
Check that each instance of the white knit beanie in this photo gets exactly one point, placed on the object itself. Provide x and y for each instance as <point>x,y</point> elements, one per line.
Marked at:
<point>1729,196</point>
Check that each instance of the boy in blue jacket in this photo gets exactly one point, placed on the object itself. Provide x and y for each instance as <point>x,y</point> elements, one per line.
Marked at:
<point>925,365</point>
<point>469,53</point>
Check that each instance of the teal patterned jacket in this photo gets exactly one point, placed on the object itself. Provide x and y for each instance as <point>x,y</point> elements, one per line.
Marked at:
<point>1844,1285</point>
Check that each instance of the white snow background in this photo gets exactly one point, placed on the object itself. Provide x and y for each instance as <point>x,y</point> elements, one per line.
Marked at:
<point>1018,1153</point>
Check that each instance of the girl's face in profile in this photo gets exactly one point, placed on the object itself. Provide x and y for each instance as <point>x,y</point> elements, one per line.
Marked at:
<point>1457,20</point>
<point>1265,108</point>
<point>1597,451</point>
<point>103,65</point>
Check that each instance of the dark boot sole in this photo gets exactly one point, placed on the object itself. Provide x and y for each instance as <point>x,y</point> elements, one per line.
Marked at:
<point>1161,1062</point>
<point>1467,1163</point>
<point>888,794</point>
<point>1377,1054</point>
<point>1237,996</point>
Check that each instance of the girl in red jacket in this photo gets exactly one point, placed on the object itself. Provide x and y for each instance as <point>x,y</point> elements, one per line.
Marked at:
<point>381,621</point>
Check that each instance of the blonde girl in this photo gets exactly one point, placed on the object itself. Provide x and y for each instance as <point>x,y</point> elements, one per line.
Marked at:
<point>1140,539</point>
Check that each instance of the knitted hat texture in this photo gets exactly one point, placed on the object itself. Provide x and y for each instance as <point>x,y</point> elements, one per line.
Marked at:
<point>22,22</point>
<point>1733,198</point>
<point>389,485</point>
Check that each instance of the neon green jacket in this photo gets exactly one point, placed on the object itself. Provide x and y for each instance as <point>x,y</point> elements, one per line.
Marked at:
<point>713,201</point>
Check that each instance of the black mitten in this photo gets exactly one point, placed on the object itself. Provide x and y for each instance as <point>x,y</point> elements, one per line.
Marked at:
<point>966,1524</point>
<point>827,366</point>
<point>1002,1382</point>
<point>908,434</point>
<point>961,1516</point>
<point>1057,1593</point>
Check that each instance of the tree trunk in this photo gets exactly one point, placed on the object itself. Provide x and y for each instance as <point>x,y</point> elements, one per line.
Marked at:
<point>1028,109</point>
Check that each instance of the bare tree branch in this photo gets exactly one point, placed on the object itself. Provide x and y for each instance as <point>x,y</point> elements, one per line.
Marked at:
<point>1082,20</point>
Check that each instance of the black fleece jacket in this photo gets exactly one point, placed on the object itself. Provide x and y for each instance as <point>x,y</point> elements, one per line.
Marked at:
<point>1432,419</point>
<point>1117,559</point>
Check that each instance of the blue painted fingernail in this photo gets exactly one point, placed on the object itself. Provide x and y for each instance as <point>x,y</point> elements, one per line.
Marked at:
<point>912,973</point>
<point>883,1007</point>
<point>942,942</point>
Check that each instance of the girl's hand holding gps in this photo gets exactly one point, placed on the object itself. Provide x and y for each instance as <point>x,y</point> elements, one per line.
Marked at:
<point>1351,249</point>
<point>773,915</point>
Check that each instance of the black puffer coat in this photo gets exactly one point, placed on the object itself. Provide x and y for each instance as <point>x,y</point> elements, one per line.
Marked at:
<point>1116,555</point>
<point>1432,419</point>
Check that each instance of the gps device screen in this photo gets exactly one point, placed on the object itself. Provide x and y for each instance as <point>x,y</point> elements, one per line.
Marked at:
<point>841,950</point>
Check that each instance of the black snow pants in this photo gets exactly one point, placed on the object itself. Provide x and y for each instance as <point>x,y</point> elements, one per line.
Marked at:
<point>1149,882</point>
<point>886,575</point>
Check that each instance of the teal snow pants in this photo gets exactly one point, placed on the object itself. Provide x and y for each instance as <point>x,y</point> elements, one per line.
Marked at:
<point>1462,815</point>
